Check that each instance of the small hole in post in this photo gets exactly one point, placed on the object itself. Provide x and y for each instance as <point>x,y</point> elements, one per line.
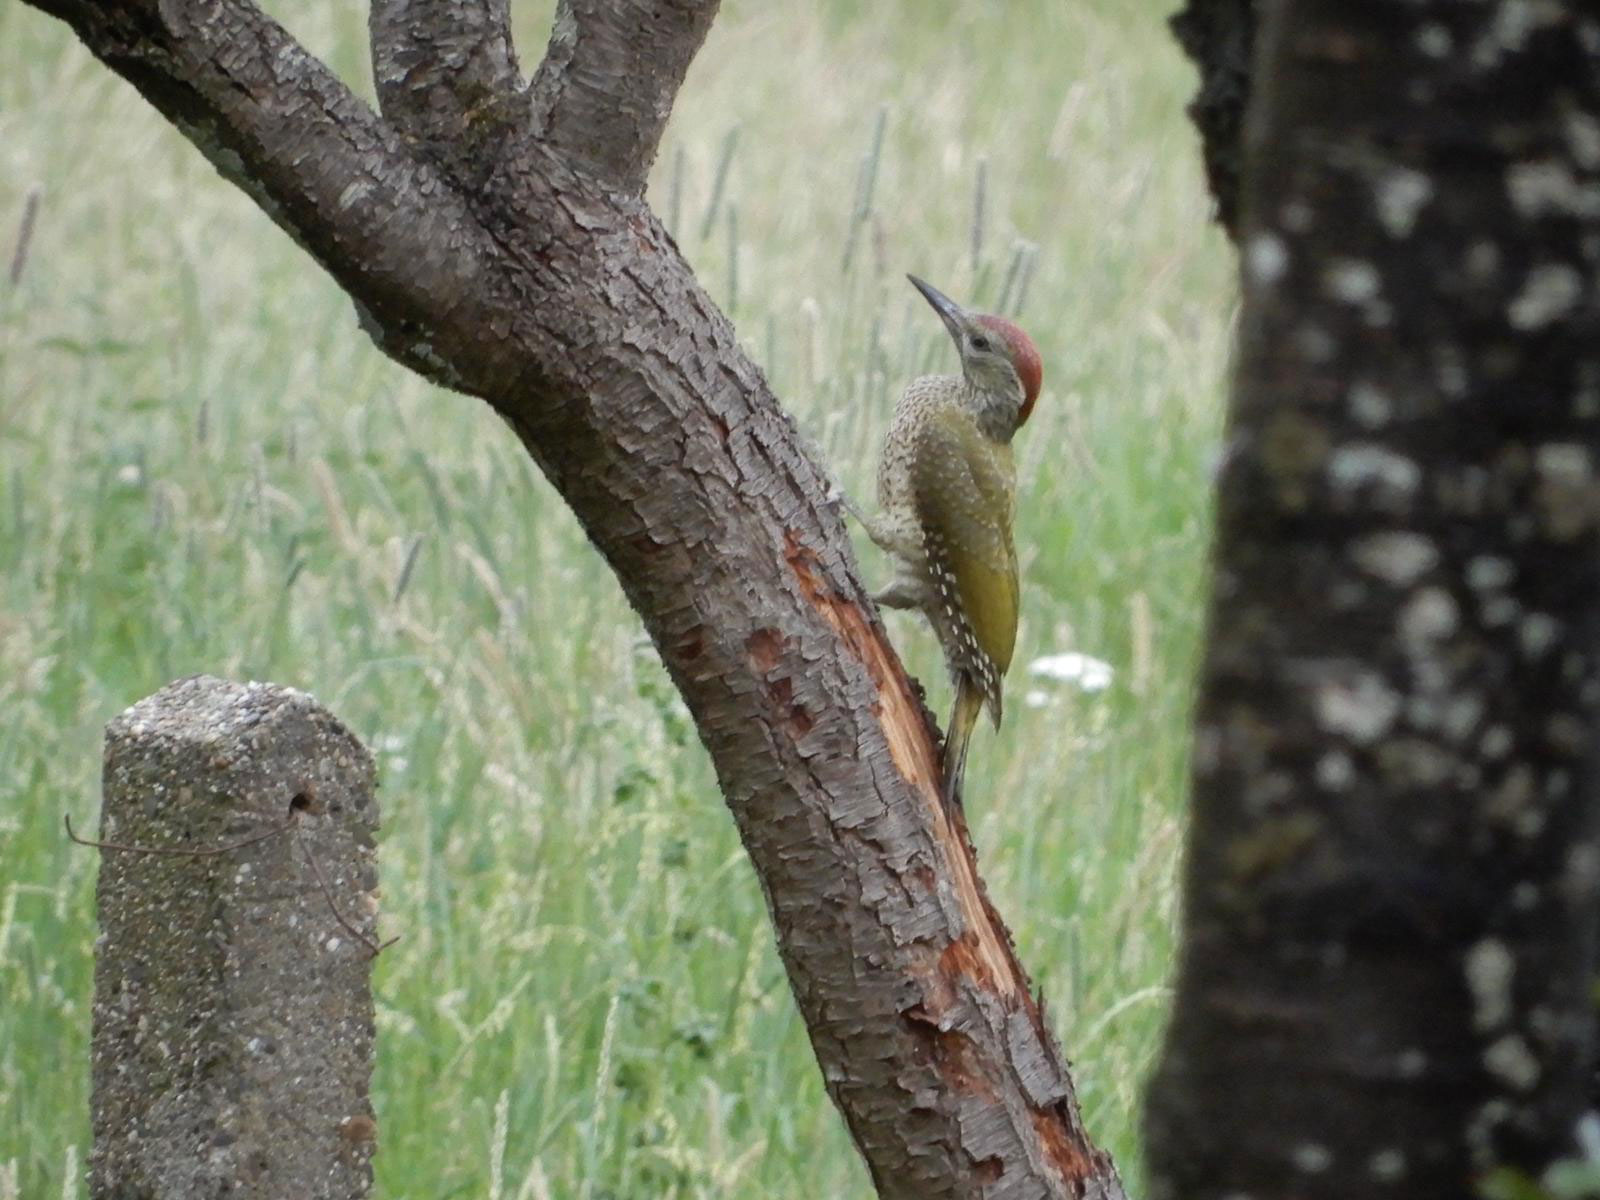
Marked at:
<point>304,802</point>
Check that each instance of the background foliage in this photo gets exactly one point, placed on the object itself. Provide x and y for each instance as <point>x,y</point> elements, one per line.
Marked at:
<point>204,466</point>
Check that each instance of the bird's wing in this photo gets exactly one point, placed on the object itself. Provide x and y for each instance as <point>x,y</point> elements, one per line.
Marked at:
<point>962,485</point>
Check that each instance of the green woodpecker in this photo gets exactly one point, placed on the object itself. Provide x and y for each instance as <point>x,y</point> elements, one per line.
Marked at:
<point>947,491</point>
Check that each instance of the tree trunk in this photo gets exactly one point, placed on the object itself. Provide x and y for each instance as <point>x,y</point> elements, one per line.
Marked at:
<point>1391,885</point>
<point>1220,36</point>
<point>495,239</point>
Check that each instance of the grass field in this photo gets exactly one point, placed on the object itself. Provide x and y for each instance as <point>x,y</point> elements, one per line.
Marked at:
<point>204,466</point>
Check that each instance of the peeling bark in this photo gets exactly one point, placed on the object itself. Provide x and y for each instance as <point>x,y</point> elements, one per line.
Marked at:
<point>1391,890</point>
<point>495,239</point>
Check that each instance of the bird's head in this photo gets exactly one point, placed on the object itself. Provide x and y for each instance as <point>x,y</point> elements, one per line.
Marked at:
<point>996,356</point>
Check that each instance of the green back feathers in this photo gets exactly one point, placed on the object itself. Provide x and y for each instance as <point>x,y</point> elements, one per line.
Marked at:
<point>964,487</point>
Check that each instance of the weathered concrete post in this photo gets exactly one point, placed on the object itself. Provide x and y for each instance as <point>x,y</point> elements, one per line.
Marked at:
<point>233,1020</point>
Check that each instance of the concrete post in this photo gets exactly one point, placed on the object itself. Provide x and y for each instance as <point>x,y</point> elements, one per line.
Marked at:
<point>233,1020</point>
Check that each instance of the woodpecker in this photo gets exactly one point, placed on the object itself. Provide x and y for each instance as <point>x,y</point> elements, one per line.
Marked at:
<point>947,491</point>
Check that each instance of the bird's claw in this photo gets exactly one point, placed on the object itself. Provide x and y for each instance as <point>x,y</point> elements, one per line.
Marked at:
<point>837,497</point>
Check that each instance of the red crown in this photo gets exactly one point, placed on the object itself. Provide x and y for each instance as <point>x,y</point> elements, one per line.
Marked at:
<point>1024,357</point>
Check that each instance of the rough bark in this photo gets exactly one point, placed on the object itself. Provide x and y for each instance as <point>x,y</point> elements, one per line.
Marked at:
<point>447,78</point>
<point>1391,885</point>
<point>1219,35</point>
<point>611,132</point>
<point>233,1018</point>
<point>539,280</point>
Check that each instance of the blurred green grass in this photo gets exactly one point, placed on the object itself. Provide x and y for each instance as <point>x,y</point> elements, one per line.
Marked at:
<point>204,466</point>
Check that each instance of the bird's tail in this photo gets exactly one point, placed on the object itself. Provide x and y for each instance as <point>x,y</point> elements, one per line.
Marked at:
<point>969,703</point>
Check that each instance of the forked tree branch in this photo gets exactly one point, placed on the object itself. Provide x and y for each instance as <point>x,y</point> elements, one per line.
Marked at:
<point>609,132</point>
<point>447,77</point>
<point>547,287</point>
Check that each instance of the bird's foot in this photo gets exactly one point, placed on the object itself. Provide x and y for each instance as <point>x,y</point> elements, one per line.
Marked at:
<point>898,594</point>
<point>837,497</point>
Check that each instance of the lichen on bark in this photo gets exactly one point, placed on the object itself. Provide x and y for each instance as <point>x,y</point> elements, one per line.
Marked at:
<point>1391,891</point>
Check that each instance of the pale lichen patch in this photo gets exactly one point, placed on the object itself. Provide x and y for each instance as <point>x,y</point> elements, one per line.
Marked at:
<point>1489,573</point>
<point>1401,192</point>
<point>354,192</point>
<point>1461,715</point>
<point>1537,633</point>
<point>1429,616</point>
<point>1312,1158</point>
<point>1481,1127</point>
<point>1335,771</point>
<point>1547,186</point>
<point>1361,708</point>
<point>1297,216</point>
<point>1564,460</point>
<point>1370,405</point>
<point>1266,259</point>
<point>1567,734</point>
<point>1360,464</point>
<point>1550,291</point>
<point>1489,968</point>
<point>1414,763</point>
<point>1352,280</point>
<point>1387,1165</point>
<point>1509,1060</point>
<point>1583,139</point>
<point>1395,556</point>
<point>1450,370</point>
<point>1482,261</point>
<point>1567,495</point>
<point>1511,801</point>
<point>1581,873</point>
<point>1497,611</point>
<point>1514,21</point>
<point>1315,344</point>
<point>1497,742</point>
<point>1435,40</point>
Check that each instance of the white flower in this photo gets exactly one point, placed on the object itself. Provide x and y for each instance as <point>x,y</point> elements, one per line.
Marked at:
<point>1089,674</point>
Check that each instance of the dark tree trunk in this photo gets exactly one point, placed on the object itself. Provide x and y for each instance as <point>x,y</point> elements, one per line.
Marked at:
<point>1386,985</point>
<point>1219,35</point>
<point>495,239</point>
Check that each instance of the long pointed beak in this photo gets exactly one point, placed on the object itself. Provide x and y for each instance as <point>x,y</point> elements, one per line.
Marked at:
<point>951,313</point>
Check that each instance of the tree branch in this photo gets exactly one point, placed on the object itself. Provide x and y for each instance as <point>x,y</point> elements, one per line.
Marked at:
<point>562,301</point>
<point>447,77</point>
<point>605,88</point>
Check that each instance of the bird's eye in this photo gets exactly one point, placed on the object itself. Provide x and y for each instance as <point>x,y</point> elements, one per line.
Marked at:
<point>979,342</point>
